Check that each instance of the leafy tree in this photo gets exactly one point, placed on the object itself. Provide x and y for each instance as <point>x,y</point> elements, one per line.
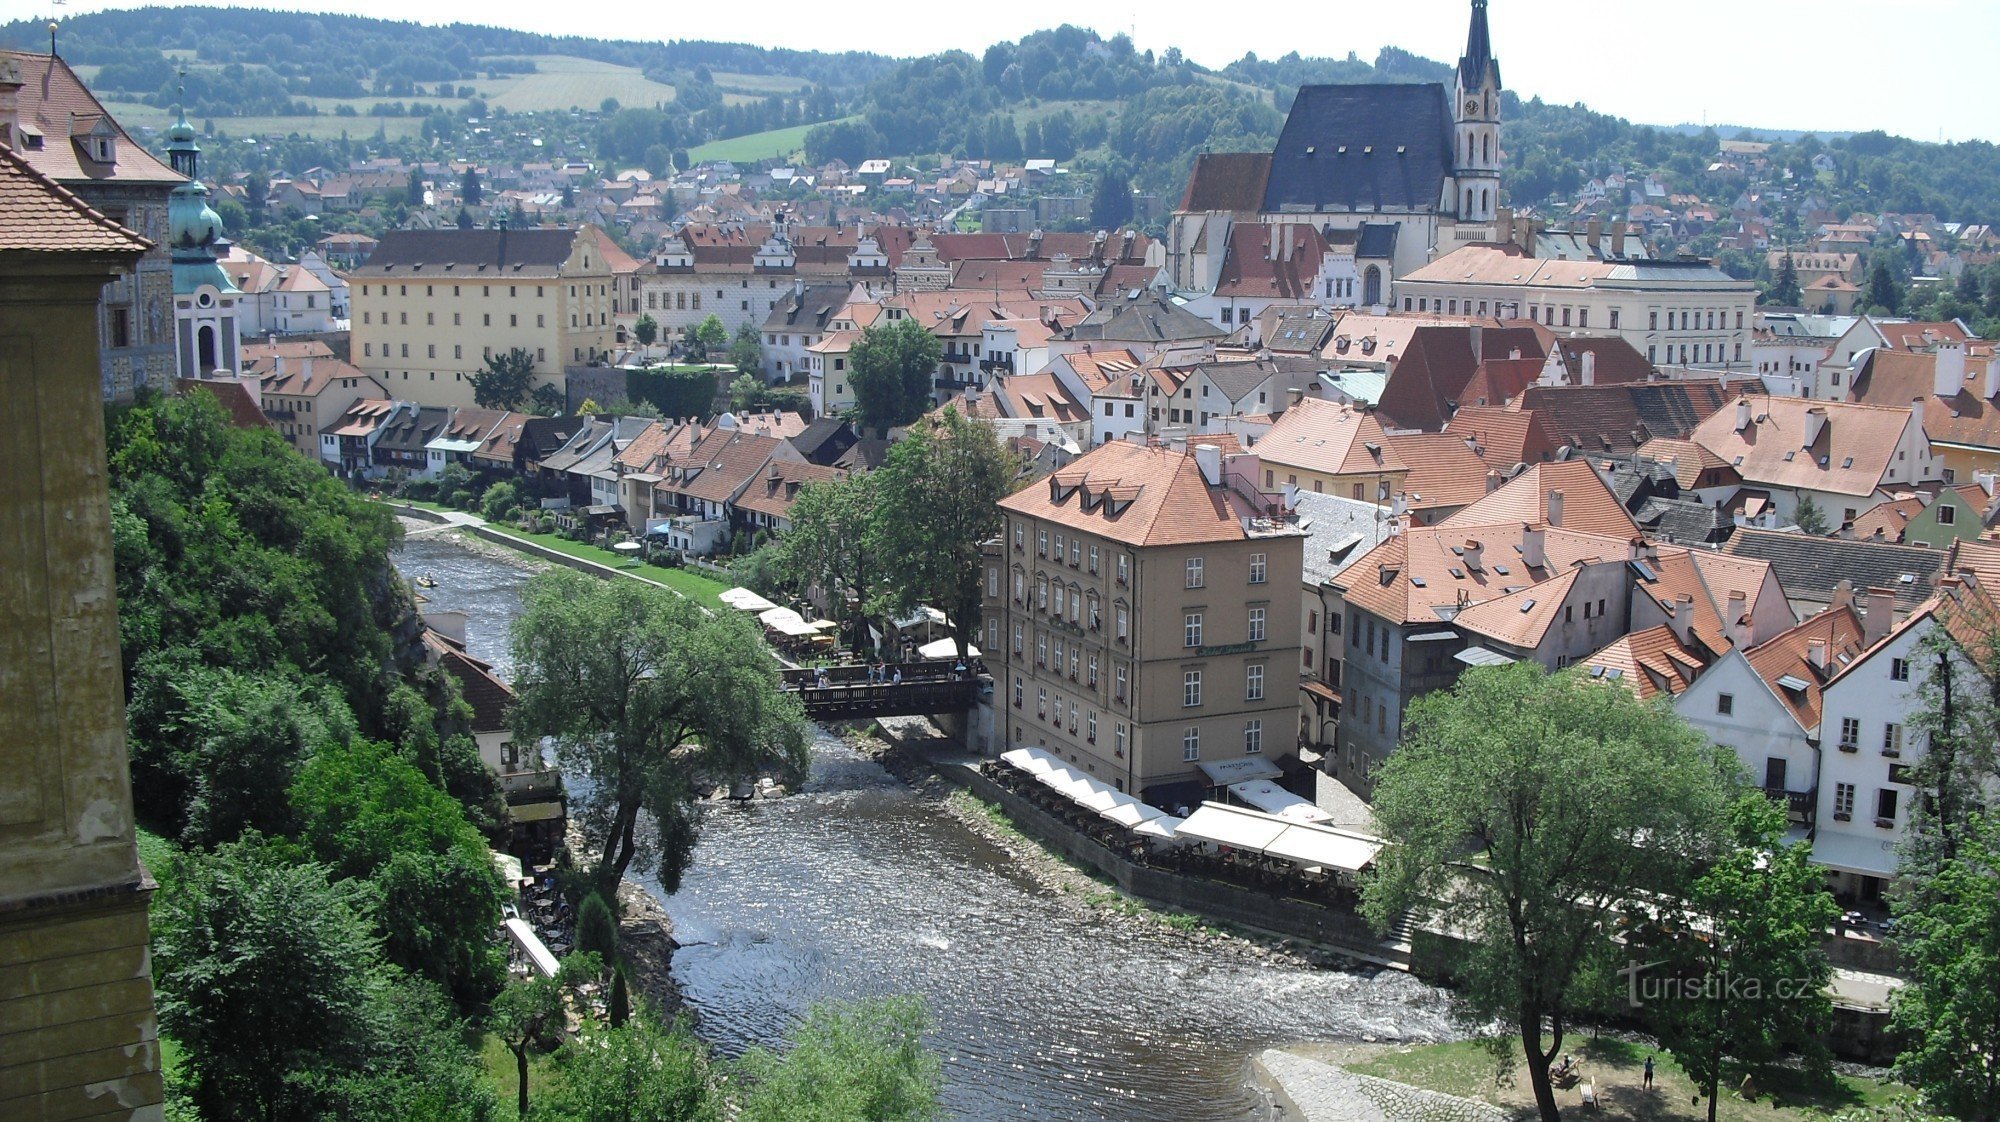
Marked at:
<point>269,977</point>
<point>505,380</point>
<point>893,365</point>
<point>1967,286</point>
<point>1785,291</point>
<point>421,1066</point>
<point>1883,291</point>
<point>1111,206</point>
<point>746,351</point>
<point>1948,1016</point>
<point>641,1071</point>
<point>936,501</point>
<point>371,816</point>
<point>647,695</point>
<point>533,1011</point>
<point>589,408</point>
<point>1810,518</point>
<point>1747,970</point>
<point>547,401</point>
<point>832,547</point>
<point>864,1063</point>
<point>646,330</point>
<point>708,337</point>
<point>1569,794</point>
<point>745,392</point>
<point>469,189</point>
<point>414,192</point>
<point>499,499</point>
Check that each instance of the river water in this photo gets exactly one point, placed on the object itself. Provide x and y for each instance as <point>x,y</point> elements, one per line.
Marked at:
<point>1044,1010</point>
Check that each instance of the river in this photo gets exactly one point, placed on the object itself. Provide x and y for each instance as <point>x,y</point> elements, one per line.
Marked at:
<point>857,886</point>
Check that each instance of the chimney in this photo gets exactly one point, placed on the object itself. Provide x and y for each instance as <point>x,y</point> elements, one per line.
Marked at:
<point>1209,458</point>
<point>1990,386</point>
<point>1594,234</point>
<point>1816,653</point>
<point>1880,617</point>
<point>1555,508</point>
<point>1681,616</point>
<point>1588,373</point>
<point>1473,552</point>
<point>1815,425</point>
<point>1733,623</point>
<point>1742,413</point>
<point>10,100</point>
<point>1493,480</point>
<point>1949,369</point>
<point>1843,596</point>
<point>1503,221</point>
<point>1618,238</point>
<point>1534,547</point>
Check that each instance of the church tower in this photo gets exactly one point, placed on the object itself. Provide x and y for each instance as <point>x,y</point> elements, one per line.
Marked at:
<point>206,337</point>
<point>1476,162</point>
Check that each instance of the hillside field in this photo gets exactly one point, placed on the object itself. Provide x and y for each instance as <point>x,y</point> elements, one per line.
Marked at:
<point>776,144</point>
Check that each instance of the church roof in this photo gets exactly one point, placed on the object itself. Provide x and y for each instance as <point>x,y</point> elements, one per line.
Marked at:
<point>1362,146</point>
<point>1478,56</point>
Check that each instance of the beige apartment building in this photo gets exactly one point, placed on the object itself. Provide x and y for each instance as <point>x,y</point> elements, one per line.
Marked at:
<point>1143,607</point>
<point>430,306</point>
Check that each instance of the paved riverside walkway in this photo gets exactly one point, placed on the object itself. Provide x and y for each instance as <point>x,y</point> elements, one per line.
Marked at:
<point>1314,1091</point>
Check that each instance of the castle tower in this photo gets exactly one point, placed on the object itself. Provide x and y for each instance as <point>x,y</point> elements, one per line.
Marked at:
<point>1476,161</point>
<point>206,337</point>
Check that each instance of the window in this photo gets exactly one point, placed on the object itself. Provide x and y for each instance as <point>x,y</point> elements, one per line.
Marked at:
<point>1850,731</point>
<point>1041,594</point>
<point>1017,693</point>
<point>1124,569</point>
<point>1892,739</point>
<point>1019,638</point>
<point>1843,800</point>
<point>1119,691</point>
<point>992,583</point>
<point>1120,739</point>
<point>1191,630</point>
<point>1256,625</point>
<point>1041,650</point>
<point>1774,773</point>
<point>1253,737</point>
<point>1093,560</point>
<point>1725,703</point>
<point>1075,552</point>
<point>1253,683</point>
<point>1042,543</point>
<point>1124,624</point>
<point>1041,704</point>
<point>1191,745</point>
<point>1259,568</point>
<point>1191,688</point>
<point>1947,515</point>
<point>1093,670</point>
<point>1020,537</point>
<point>1885,804</point>
<point>1059,547</point>
<point>1194,572</point>
<point>1899,669</point>
<point>1062,598</point>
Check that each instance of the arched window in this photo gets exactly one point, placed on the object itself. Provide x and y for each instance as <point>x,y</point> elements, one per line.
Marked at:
<point>205,349</point>
<point>1486,147</point>
<point>1372,286</point>
<point>1485,200</point>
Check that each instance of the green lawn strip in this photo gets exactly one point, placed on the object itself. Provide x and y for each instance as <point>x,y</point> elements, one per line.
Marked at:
<point>1616,1066</point>
<point>503,1073</point>
<point>702,590</point>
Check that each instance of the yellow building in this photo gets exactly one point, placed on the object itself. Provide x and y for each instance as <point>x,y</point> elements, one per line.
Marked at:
<point>1331,449</point>
<point>431,306</point>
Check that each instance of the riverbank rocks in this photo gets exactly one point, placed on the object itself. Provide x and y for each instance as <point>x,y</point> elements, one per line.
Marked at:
<point>1312,1091</point>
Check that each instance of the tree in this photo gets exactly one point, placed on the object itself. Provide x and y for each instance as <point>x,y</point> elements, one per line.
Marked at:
<point>469,190</point>
<point>641,1071</point>
<point>646,330</point>
<point>832,547</point>
<point>864,1063</point>
<point>499,499</point>
<point>937,501</point>
<point>1948,1016</point>
<point>745,393</point>
<point>414,191</point>
<point>1111,207</point>
<point>268,976</point>
<point>533,1011</point>
<point>1745,974</point>
<point>371,816</point>
<point>1810,519</point>
<point>893,364</point>
<point>597,928</point>
<point>1883,291</point>
<point>1785,291</point>
<point>708,337</point>
<point>505,380</point>
<point>547,401</point>
<point>464,219</point>
<point>746,351</point>
<point>1569,794</point>
<point>648,696</point>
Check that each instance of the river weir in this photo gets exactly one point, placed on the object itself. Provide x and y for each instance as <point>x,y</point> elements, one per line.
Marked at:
<point>1046,1007</point>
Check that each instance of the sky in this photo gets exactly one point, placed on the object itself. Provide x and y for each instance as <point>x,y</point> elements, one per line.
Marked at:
<point>1829,65</point>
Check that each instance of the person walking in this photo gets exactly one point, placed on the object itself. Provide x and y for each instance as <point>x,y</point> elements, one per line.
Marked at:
<point>898,679</point>
<point>1646,1080</point>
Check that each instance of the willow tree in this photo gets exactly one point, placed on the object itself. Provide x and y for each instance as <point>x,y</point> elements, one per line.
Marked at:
<point>648,698</point>
<point>1522,809</point>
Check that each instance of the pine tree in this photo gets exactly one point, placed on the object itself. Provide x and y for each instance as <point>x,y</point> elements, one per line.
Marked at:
<point>1785,291</point>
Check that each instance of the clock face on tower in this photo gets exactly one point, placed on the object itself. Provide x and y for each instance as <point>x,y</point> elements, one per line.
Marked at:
<point>1472,109</point>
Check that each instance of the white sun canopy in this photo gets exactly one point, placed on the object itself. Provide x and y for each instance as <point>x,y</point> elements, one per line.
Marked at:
<point>1273,799</point>
<point>945,648</point>
<point>1224,772</point>
<point>1089,794</point>
<point>1302,844</point>
<point>744,600</point>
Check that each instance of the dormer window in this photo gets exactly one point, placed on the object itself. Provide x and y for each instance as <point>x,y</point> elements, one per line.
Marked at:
<point>103,150</point>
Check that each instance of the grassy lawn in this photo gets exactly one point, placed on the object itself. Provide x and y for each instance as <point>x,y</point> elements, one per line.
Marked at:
<point>503,1072</point>
<point>1616,1068</point>
<point>759,83</point>
<point>695,586</point>
<point>773,145</point>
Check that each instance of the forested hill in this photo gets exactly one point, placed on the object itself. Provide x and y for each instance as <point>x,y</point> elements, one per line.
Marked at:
<point>1068,94</point>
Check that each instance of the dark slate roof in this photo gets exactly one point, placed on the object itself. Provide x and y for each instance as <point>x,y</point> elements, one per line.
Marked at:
<point>1145,318</point>
<point>824,440</point>
<point>473,254</point>
<point>1478,55</point>
<point>1378,240</point>
<point>1397,141</point>
<point>1684,521</point>
<point>1809,567</point>
<point>1619,418</point>
<point>541,436</point>
<point>1227,181</point>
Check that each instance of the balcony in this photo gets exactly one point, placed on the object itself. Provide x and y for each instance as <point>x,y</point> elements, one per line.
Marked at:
<point>531,786</point>
<point>1799,805</point>
<point>997,365</point>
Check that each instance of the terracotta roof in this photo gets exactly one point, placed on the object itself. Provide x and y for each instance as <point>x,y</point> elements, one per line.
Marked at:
<point>55,102</point>
<point>775,493</point>
<point>1885,521</point>
<point>1522,619</point>
<point>1445,474</point>
<point>488,696</point>
<point>1614,360</point>
<point>1141,495</point>
<point>1499,381</point>
<point>1688,460</point>
<point>1508,436</point>
<point>38,215</point>
<point>1332,439</point>
<point>234,398</point>
<point>1620,419</point>
<point>619,261</point>
<point>1258,268</point>
<point>1788,656</point>
<point>257,354</point>
<point>1649,663</point>
<point>1851,455</point>
<point>1588,504</point>
<point>1700,583</point>
<point>1895,379</point>
<point>306,377</point>
<point>1418,576</point>
<point>1979,558</point>
<point>1232,181</point>
<point>1919,335</point>
<point>721,465</point>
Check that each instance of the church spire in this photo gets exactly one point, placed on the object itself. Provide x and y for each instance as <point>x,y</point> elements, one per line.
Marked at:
<point>182,150</point>
<point>1478,59</point>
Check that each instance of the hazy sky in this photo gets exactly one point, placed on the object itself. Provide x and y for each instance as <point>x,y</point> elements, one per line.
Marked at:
<point>1846,65</point>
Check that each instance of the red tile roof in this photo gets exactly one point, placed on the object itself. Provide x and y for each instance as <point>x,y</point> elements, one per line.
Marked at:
<point>38,215</point>
<point>1790,656</point>
<point>1332,439</point>
<point>56,103</point>
<point>1648,663</point>
<point>1589,506</point>
<point>1142,495</point>
<point>1851,455</point>
<point>232,396</point>
<point>1508,436</point>
<point>1232,181</point>
<point>1272,262</point>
